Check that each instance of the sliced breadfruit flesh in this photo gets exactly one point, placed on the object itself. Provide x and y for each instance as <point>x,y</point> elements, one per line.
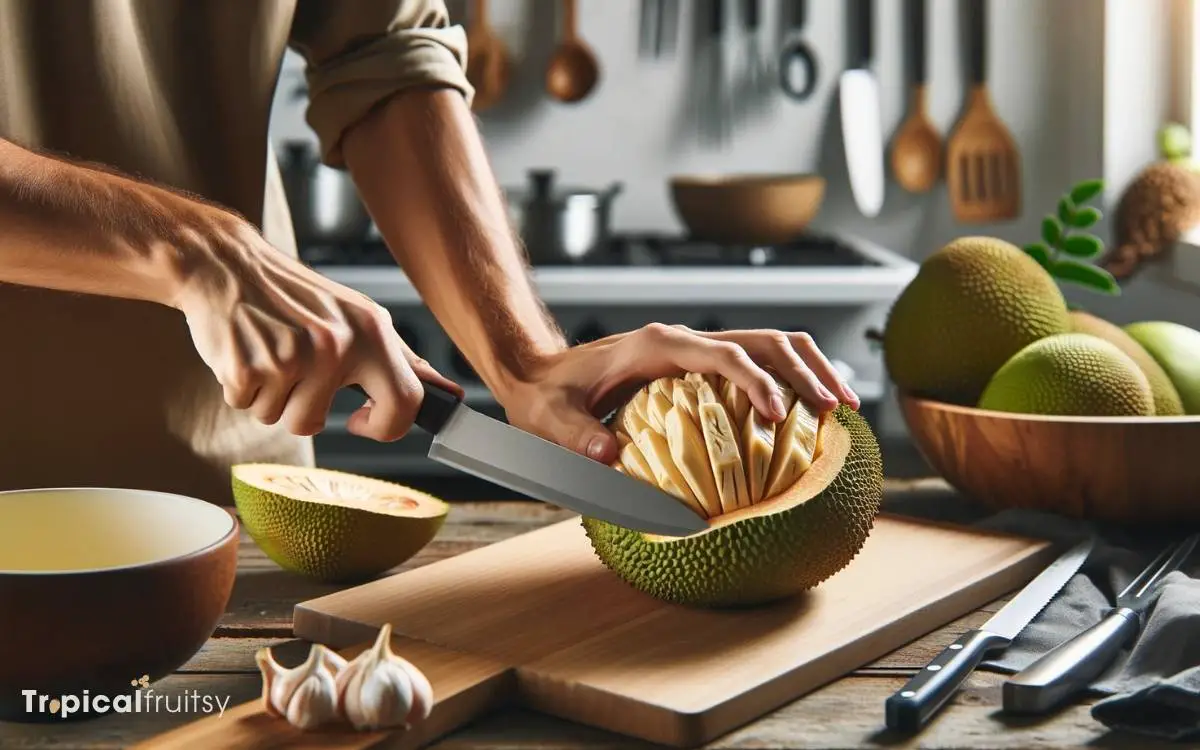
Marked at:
<point>836,445</point>
<point>657,406</point>
<point>693,446</point>
<point>795,447</point>
<point>690,454</point>
<point>661,385</point>
<point>667,476</point>
<point>725,456</point>
<point>637,404</point>
<point>698,379</point>
<point>706,393</point>
<point>636,464</point>
<point>684,397</point>
<point>336,488</point>
<point>631,420</point>
<point>737,401</point>
<point>758,446</point>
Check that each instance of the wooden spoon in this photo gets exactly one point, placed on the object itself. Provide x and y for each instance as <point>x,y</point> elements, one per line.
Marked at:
<point>573,70</point>
<point>489,66</point>
<point>917,146</point>
<point>982,163</point>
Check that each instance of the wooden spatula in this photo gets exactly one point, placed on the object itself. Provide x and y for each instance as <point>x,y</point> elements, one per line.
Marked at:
<point>983,168</point>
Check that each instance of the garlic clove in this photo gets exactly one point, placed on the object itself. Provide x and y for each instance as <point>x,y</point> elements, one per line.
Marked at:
<point>378,697</point>
<point>380,689</point>
<point>305,696</point>
<point>422,704</point>
<point>272,673</point>
<point>333,661</point>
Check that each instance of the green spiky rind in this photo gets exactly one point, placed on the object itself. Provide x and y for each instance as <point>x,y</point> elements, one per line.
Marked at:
<point>758,559</point>
<point>330,543</point>
<point>972,306</point>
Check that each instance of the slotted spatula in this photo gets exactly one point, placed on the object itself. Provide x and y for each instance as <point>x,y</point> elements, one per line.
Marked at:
<point>983,167</point>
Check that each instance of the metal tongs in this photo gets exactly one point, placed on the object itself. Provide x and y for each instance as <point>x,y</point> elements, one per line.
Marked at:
<point>1070,667</point>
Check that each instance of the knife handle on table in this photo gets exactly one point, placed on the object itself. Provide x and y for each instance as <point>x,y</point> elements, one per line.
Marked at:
<point>1071,666</point>
<point>436,406</point>
<point>921,697</point>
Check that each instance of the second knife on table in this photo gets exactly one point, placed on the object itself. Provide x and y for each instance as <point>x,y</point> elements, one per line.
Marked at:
<point>1071,666</point>
<point>921,697</point>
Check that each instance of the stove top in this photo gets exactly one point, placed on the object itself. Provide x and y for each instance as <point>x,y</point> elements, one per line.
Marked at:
<point>648,250</point>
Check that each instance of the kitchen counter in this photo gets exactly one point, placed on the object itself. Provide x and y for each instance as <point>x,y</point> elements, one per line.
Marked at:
<point>845,714</point>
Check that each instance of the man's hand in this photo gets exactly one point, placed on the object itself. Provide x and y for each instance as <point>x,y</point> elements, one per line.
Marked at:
<point>562,397</point>
<point>282,339</point>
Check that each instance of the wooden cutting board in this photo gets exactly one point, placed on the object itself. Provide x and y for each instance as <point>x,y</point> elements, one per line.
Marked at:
<point>539,619</point>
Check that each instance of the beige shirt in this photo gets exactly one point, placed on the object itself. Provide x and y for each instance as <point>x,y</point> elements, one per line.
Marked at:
<point>97,391</point>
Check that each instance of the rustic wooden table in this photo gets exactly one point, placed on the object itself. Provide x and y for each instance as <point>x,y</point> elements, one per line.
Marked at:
<point>845,714</point>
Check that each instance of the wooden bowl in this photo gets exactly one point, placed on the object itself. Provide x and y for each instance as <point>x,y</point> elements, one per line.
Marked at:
<point>99,587</point>
<point>1133,470</point>
<point>747,209</point>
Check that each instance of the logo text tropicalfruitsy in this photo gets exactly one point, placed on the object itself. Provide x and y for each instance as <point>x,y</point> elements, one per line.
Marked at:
<point>143,699</point>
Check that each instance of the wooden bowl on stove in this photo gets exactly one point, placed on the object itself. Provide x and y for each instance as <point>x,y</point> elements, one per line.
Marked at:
<point>1132,470</point>
<point>100,587</point>
<point>764,209</point>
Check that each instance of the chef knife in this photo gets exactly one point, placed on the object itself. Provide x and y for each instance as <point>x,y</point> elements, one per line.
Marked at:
<point>921,697</point>
<point>509,457</point>
<point>862,118</point>
<point>1071,666</point>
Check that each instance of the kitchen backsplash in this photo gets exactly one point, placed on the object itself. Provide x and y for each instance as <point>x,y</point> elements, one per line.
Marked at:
<point>637,126</point>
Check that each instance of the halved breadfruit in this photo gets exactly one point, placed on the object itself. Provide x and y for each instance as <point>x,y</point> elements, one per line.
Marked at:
<point>333,526</point>
<point>788,504</point>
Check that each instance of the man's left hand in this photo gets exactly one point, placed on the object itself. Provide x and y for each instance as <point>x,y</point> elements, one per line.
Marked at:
<point>561,397</point>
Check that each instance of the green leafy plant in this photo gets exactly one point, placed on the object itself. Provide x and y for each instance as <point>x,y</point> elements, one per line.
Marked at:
<point>1065,250</point>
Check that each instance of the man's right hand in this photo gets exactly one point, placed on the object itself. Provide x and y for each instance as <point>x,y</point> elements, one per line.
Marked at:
<point>279,337</point>
<point>282,339</point>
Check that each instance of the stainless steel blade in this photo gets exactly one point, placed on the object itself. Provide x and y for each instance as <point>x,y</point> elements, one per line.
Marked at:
<point>862,134</point>
<point>500,453</point>
<point>1167,561</point>
<point>1023,607</point>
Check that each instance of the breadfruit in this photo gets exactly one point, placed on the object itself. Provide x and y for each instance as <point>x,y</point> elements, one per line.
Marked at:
<point>972,306</point>
<point>1166,398</point>
<point>1071,374</point>
<point>1158,207</point>
<point>788,504</point>
<point>1177,349</point>
<point>332,526</point>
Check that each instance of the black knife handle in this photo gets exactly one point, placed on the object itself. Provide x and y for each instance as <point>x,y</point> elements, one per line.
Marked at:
<point>1071,666</point>
<point>750,14</point>
<point>862,28</point>
<point>799,14</point>
<point>915,21</point>
<point>716,19</point>
<point>912,705</point>
<point>976,12</point>
<point>436,406</point>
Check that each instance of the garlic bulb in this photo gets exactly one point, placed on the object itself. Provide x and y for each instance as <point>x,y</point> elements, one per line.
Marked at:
<point>307,695</point>
<point>379,689</point>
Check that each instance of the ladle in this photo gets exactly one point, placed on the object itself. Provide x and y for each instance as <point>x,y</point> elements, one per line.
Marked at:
<point>917,147</point>
<point>573,70</point>
<point>489,65</point>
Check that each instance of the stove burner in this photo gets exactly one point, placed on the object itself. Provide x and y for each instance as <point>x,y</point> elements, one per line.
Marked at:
<point>642,250</point>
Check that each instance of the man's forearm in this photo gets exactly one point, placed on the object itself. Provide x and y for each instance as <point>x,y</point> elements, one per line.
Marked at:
<point>81,229</point>
<point>422,170</point>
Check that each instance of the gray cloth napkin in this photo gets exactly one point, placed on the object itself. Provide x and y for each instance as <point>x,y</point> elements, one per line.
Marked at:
<point>1154,688</point>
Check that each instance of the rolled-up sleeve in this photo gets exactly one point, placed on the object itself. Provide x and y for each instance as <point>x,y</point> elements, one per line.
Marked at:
<point>361,52</point>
